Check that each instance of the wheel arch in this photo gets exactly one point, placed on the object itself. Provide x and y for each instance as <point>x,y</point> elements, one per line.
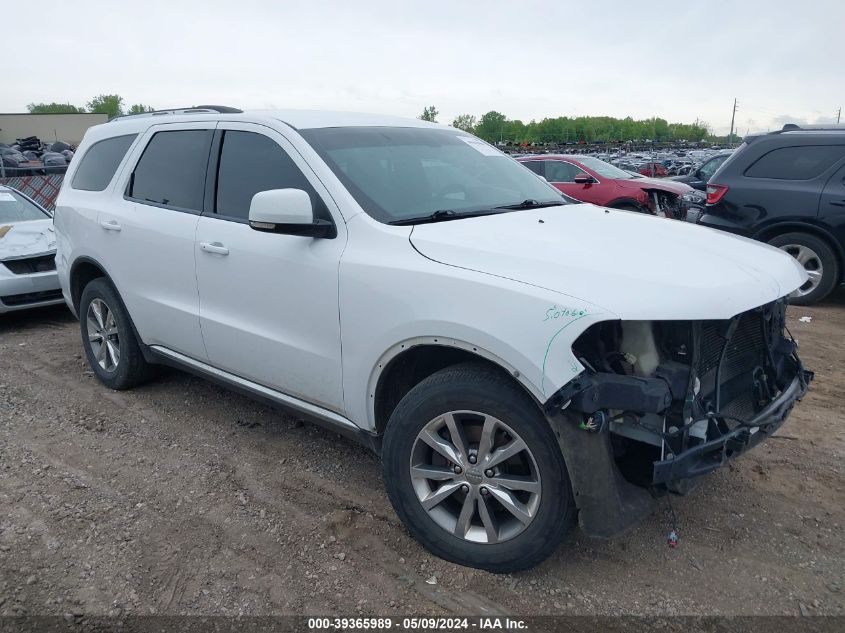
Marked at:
<point>409,362</point>
<point>83,271</point>
<point>767,233</point>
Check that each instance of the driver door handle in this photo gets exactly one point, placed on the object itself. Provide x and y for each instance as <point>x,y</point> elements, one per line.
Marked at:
<point>110,225</point>
<point>214,247</point>
<point>838,203</point>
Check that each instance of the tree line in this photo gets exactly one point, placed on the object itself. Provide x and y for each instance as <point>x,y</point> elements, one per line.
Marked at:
<point>112,105</point>
<point>492,126</point>
<point>495,127</point>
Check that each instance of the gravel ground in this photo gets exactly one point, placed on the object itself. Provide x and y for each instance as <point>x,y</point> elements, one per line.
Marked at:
<point>182,498</point>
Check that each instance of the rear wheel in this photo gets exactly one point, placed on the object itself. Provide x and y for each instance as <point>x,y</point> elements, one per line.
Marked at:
<point>475,472</point>
<point>109,340</point>
<point>818,261</point>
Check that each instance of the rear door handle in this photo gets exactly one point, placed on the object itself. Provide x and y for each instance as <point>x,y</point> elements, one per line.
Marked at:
<point>214,247</point>
<point>110,225</point>
<point>838,203</point>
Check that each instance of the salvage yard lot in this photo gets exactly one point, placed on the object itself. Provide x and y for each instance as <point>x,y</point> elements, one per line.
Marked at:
<point>181,497</point>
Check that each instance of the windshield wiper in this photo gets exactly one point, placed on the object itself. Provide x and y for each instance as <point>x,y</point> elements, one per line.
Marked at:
<point>442,215</point>
<point>532,204</point>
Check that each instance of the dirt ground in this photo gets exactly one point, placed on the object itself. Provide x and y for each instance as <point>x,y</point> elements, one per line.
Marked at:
<point>182,498</point>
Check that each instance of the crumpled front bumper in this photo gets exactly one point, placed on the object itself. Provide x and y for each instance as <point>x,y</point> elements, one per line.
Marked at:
<point>704,458</point>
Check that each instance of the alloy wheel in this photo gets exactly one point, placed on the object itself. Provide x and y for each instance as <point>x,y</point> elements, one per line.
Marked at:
<point>103,336</point>
<point>811,263</point>
<point>475,477</point>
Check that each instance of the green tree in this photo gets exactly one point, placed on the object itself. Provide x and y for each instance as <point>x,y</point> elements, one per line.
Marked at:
<point>54,108</point>
<point>139,108</point>
<point>429,113</point>
<point>465,122</point>
<point>107,104</point>
<point>491,126</point>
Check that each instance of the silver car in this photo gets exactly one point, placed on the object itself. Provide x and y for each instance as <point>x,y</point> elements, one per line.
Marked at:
<point>27,254</point>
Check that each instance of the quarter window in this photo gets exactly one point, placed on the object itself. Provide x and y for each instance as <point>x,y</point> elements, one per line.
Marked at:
<point>796,163</point>
<point>250,163</point>
<point>171,171</point>
<point>99,163</point>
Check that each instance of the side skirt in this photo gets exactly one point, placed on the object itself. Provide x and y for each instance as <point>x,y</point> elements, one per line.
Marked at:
<point>311,412</point>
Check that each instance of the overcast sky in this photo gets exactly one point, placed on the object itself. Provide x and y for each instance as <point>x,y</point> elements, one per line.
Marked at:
<point>529,59</point>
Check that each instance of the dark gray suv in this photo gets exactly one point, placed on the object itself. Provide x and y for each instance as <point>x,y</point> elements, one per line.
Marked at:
<point>787,188</point>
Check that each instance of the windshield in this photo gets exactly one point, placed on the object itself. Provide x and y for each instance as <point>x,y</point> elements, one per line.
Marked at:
<point>398,174</point>
<point>604,169</point>
<point>15,208</point>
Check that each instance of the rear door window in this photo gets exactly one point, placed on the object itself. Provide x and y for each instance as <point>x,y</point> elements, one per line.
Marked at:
<point>99,163</point>
<point>796,163</point>
<point>171,172</point>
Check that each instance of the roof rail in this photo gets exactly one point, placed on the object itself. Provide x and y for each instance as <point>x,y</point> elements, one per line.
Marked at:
<point>200,109</point>
<point>794,127</point>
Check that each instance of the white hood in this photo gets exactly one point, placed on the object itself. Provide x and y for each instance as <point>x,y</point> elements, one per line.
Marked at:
<point>636,266</point>
<point>26,239</point>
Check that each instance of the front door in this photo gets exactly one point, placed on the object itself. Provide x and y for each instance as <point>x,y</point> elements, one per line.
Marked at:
<point>269,302</point>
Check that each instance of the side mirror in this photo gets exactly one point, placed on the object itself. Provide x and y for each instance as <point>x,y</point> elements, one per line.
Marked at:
<point>287,211</point>
<point>583,179</point>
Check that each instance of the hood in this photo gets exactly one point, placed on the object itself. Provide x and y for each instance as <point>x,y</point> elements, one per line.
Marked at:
<point>678,188</point>
<point>634,265</point>
<point>26,239</point>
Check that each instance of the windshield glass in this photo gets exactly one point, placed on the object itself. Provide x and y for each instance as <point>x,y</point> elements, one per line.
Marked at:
<point>604,169</point>
<point>15,208</point>
<point>398,174</point>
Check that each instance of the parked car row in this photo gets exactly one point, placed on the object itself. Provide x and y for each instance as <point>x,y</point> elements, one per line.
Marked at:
<point>521,363</point>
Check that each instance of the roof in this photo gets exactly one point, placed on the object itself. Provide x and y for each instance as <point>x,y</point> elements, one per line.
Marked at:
<point>297,119</point>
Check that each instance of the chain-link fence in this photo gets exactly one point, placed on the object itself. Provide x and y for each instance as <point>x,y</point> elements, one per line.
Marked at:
<point>41,188</point>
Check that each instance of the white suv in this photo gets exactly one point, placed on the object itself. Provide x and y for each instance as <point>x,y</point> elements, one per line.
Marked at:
<point>517,360</point>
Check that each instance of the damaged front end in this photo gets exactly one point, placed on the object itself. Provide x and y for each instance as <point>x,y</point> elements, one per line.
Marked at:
<point>669,401</point>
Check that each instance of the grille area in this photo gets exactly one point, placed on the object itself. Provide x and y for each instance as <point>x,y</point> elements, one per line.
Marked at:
<point>31,297</point>
<point>42,264</point>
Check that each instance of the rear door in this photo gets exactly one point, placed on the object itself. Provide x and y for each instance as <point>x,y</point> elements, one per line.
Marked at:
<point>269,302</point>
<point>148,234</point>
<point>832,205</point>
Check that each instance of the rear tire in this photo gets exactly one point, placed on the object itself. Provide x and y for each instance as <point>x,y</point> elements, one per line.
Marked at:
<point>111,347</point>
<point>501,516</point>
<point>818,260</point>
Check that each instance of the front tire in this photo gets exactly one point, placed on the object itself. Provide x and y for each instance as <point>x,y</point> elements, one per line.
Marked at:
<point>474,471</point>
<point>111,347</point>
<point>818,260</point>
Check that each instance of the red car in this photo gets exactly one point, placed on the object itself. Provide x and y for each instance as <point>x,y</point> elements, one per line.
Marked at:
<point>654,169</point>
<point>589,179</point>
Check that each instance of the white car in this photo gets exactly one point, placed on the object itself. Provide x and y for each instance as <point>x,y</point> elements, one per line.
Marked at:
<point>517,360</point>
<point>27,254</point>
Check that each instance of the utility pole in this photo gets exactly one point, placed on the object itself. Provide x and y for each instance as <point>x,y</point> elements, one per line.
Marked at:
<point>838,114</point>
<point>733,116</point>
